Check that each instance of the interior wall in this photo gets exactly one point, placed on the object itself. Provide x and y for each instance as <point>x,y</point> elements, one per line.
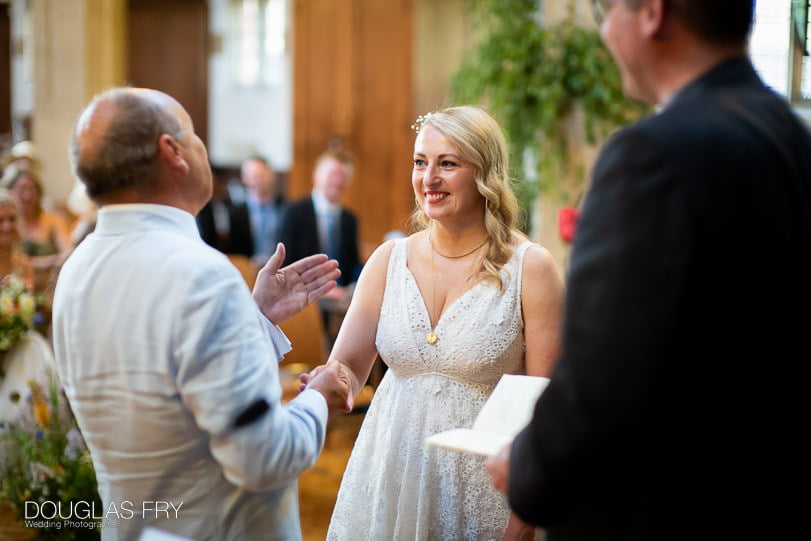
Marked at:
<point>442,32</point>
<point>63,52</point>
<point>59,90</point>
<point>168,51</point>
<point>353,84</point>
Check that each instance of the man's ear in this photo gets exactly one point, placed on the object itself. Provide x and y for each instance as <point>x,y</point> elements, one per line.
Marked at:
<point>170,153</point>
<point>653,16</point>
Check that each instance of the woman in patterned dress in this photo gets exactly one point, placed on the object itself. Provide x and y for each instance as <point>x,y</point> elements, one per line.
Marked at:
<point>449,309</point>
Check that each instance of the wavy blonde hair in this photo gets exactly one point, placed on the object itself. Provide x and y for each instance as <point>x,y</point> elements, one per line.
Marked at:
<point>480,142</point>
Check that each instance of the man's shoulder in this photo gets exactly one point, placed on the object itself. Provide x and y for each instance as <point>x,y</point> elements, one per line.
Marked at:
<point>298,208</point>
<point>350,214</point>
<point>300,202</point>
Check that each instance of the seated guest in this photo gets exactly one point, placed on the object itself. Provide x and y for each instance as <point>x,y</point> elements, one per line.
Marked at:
<point>225,224</point>
<point>12,260</point>
<point>264,207</point>
<point>28,356</point>
<point>318,223</point>
<point>46,235</point>
<point>23,155</point>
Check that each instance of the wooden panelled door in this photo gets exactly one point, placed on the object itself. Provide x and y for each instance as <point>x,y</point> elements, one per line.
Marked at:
<point>168,51</point>
<point>352,83</point>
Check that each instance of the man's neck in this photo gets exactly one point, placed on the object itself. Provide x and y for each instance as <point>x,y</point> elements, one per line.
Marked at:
<point>321,200</point>
<point>684,61</point>
<point>124,197</point>
<point>262,197</point>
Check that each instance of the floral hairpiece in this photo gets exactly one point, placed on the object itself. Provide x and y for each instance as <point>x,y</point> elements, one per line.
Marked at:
<point>420,122</point>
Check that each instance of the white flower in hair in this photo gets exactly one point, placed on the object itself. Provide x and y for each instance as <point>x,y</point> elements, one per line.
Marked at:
<point>421,120</point>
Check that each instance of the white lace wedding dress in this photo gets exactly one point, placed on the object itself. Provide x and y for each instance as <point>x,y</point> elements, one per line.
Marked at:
<point>395,486</point>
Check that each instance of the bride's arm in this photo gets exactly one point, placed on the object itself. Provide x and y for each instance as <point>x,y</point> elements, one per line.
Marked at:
<point>355,344</point>
<point>542,310</point>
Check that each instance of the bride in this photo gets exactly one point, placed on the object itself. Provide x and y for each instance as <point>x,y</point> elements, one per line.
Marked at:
<point>449,309</point>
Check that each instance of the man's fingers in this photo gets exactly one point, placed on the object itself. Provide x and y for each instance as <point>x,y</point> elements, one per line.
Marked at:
<point>317,293</point>
<point>324,271</point>
<point>306,263</point>
<point>275,261</point>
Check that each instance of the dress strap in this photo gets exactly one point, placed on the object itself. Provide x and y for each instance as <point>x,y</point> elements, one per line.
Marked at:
<point>397,257</point>
<point>512,270</point>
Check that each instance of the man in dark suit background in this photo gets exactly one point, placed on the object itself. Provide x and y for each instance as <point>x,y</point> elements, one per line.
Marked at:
<point>225,224</point>
<point>681,405</point>
<point>318,223</point>
<point>265,202</point>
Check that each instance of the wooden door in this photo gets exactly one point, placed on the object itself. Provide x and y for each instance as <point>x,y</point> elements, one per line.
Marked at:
<point>352,83</point>
<point>168,51</point>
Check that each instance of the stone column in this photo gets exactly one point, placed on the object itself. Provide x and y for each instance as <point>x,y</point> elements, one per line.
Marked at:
<point>79,49</point>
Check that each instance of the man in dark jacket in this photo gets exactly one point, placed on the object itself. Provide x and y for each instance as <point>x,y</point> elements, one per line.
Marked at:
<point>681,405</point>
<point>319,223</point>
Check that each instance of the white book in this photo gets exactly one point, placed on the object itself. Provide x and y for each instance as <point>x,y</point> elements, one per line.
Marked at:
<point>508,410</point>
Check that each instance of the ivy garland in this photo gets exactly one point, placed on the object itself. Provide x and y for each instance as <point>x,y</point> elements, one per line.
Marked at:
<point>532,78</point>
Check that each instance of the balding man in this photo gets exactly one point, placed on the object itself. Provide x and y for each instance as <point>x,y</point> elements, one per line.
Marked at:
<point>169,365</point>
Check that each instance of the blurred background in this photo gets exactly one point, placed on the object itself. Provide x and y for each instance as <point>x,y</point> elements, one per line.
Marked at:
<point>285,78</point>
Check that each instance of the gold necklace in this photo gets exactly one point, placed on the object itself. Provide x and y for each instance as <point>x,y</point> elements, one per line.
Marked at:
<point>431,244</point>
<point>432,337</point>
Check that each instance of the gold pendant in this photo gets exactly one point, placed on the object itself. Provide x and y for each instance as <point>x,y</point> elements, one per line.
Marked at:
<point>431,338</point>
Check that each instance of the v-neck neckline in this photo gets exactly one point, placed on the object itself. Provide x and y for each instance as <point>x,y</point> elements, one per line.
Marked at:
<point>450,307</point>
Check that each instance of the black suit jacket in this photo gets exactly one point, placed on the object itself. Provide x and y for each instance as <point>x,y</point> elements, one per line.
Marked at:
<point>298,230</point>
<point>239,240</point>
<point>681,405</point>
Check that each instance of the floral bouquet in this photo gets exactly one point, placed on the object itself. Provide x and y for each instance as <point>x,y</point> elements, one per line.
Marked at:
<point>19,310</point>
<point>46,474</point>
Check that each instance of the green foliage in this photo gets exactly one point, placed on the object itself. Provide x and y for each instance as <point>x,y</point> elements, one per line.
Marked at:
<point>20,306</point>
<point>43,458</point>
<point>532,78</point>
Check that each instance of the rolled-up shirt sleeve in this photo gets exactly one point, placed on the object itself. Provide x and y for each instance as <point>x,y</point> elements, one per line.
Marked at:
<point>227,374</point>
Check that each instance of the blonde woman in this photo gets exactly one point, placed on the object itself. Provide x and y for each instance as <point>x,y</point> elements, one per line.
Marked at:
<point>11,257</point>
<point>452,307</point>
<point>30,357</point>
<point>46,236</point>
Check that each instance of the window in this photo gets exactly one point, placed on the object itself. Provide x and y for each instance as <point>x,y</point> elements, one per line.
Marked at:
<point>259,33</point>
<point>779,47</point>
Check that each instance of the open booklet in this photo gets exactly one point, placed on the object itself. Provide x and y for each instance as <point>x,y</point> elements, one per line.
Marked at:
<point>507,411</point>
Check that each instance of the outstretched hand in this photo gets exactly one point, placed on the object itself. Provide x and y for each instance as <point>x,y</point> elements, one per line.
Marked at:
<point>281,293</point>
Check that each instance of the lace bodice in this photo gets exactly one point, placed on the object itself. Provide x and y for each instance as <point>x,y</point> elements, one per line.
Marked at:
<point>395,486</point>
<point>480,335</point>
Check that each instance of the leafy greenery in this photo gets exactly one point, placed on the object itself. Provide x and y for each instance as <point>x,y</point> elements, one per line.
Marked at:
<point>19,305</point>
<point>532,78</point>
<point>43,458</point>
